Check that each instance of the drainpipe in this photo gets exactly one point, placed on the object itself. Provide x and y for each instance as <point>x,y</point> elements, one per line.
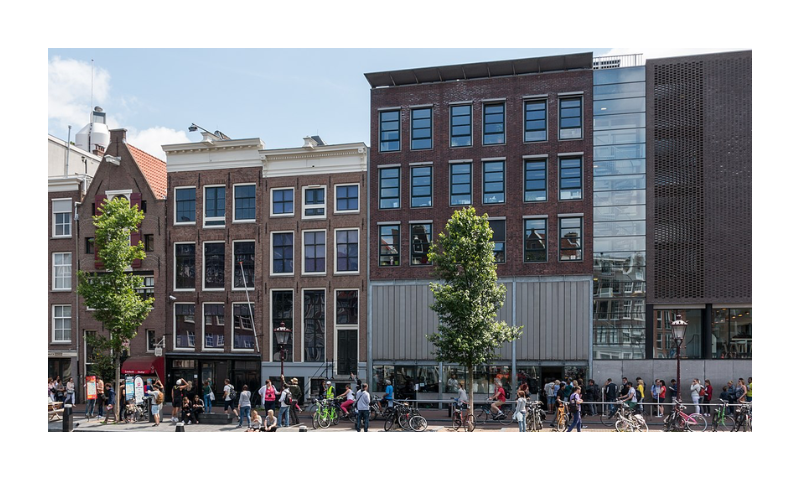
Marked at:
<point>76,232</point>
<point>514,324</point>
<point>368,375</point>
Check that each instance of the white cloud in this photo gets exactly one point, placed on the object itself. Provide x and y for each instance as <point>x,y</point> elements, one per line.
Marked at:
<point>71,90</point>
<point>151,139</point>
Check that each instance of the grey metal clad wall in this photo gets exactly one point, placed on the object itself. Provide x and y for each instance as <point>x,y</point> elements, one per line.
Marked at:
<point>555,313</point>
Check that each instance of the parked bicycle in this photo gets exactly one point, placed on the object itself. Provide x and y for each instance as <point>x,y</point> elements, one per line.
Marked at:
<point>534,417</point>
<point>678,421</point>
<point>325,415</point>
<point>485,414</point>
<point>407,418</point>
<point>628,420</point>
<point>722,421</point>
<point>561,419</point>
<point>461,417</point>
<point>743,418</point>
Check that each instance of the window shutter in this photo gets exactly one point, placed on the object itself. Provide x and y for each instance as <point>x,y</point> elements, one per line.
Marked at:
<point>98,200</point>
<point>136,236</point>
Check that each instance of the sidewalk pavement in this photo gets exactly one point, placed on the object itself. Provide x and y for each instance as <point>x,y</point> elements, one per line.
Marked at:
<point>438,422</point>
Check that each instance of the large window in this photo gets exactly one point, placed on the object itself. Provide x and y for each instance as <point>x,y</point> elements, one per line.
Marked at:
<point>536,180</point>
<point>570,238</point>
<point>421,235</point>
<point>570,181</point>
<point>215,206</point>
<point>314,251</point>
<point>461,125</point>
<point>244,203</point>
<point>347,251</point>
<point>214,325</point>
<point>185,205</point>
<point>184,266</point>
<point>184,325</point>
<point>214,265</point>
<point>732,333</point>
<point>499,238</point>
<point>347,307</point>
<point>570,123</point>
<point>389,246</point>
<point>244,264</point>
<point>282,252</point>
<point>389,179</point>
<point>282,312</point>
<point>283,201</point>
<point>346,198</point>
<point>314,325</point>
<point>313,202</point>
<point>62,323</point>
<point>692,346</point>
<point>460,184</point>
<point>494,120</point>
<point>421,186</point>
<point>62,218</point>
<point>243,337</point>
<point>390,131</point>
<point>536,240</point>
<point>536,121</point>
<point>62,271</point>
<point>494,182</point>
<point>421,128</point>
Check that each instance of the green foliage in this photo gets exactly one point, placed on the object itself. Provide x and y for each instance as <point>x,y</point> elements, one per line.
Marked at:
<point>112,294</point>
<point>102,363</point>
<point>469,297</point>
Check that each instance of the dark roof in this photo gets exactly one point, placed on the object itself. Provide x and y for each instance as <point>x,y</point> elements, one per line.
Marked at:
<point>501,68</point>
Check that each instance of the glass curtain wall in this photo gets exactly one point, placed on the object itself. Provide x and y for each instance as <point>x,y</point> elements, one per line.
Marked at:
<point>619,213</point>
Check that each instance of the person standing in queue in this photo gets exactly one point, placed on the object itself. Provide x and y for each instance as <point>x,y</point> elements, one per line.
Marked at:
<point>362,405</point>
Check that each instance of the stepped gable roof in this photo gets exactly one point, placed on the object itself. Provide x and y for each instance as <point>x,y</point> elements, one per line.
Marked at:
<point>154,170</point>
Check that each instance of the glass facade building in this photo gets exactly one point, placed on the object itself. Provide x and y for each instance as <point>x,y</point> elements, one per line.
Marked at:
<point>619,286</point>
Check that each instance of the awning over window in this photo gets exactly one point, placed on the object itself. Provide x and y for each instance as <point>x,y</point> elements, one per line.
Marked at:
<point>144,365</point>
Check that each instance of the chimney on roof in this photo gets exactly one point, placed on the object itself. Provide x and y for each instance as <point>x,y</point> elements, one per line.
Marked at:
<point>312,141</point>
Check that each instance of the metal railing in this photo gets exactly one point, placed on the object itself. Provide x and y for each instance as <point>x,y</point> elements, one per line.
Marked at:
<point>618,61</point>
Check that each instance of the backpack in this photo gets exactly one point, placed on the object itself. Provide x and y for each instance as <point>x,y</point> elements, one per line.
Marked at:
<point>702,391</point>
<point>232,396</point>
<point>159,398</point>
<point>573,403</point>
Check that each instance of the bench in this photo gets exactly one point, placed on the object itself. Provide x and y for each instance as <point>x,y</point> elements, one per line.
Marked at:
<point>54,410</point>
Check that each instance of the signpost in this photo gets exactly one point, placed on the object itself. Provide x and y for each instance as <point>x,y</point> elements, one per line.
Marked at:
<point>138,389</point>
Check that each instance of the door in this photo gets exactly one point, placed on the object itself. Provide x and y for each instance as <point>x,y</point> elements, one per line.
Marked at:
<point>347,352</point>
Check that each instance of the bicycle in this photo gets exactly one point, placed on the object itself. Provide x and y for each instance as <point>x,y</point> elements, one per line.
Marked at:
<point>534,416</point>
<point>325,415</point>
<point>460,419</point>
<point>485,414</point>
<point>406,418</point>
<point>560,420</point>
<point>627,420</point>
<point>677,421</point>
<point>743,418</point>
<point>722,421</point>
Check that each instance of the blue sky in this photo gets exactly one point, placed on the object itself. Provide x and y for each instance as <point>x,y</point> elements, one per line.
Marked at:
<point>278,95</point>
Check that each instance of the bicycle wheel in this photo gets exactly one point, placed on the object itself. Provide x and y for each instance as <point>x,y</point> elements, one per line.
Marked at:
<point>373,413</point>
<point>507,414</point>
<point>529,422</point>
<point>456,421</point>
<point>335,415</point>
<point>607,418</point>
<point>697,423</point>
<point>622,425</point>
<point>418,423</point>
<point>561,423</point>
<point>537,423</point>
<point>388,424</point>
<point>481,417</point>
<point>404,421</point>
<point>722,423</point>
<point>641,427</point>
<point>325,419</point>
<point>469,424</point>
<point>315,420</point>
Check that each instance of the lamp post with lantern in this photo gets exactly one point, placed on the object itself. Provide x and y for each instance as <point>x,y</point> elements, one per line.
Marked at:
<point>678,332</point>
<point>282,336</point>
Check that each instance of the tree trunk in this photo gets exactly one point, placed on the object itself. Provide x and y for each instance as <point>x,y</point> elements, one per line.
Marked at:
<point>116,384</point>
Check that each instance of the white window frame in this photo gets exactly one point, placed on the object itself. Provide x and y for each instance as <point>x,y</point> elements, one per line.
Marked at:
<point>336,199</point>
<point>335,299</point>
<point>253,307</point>
<point>63,330</point>
<point>175,206</point>
<point>255,199</point>
<point>206,218</point>
<point>336,252</point>
<point>272,205</point>
<point>175,267</point>
<point>68,279</point>
<point>68,211</point>
<point>147,340</point>
<point>203,345</point>
<point>236,270</point>
<point>203,272</point>
<point>272,258</point>
<point>303,319</point>
<point>175,327</point>
<point>303,252</point>
<point>324,206</point>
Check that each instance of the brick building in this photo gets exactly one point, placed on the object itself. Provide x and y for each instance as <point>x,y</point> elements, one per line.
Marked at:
<point>513,139</point>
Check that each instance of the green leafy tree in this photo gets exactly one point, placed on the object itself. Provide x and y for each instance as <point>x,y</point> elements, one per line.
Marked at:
<point>468,297</point>
<point>112,294</point>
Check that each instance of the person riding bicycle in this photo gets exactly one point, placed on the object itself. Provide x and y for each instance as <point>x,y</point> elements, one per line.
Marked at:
<point>349,398</point>
<point>463,399</point>
<point>500,397</point>
<point>630,397</point>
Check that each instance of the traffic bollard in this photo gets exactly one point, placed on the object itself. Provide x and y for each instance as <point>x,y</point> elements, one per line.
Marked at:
<point>67,425</point>
<point>179,427</point>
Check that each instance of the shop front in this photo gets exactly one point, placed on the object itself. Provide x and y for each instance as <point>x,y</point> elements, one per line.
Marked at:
<point>198,368</point>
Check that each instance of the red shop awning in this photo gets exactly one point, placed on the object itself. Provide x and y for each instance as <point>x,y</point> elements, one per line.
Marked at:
<point>144,365</point>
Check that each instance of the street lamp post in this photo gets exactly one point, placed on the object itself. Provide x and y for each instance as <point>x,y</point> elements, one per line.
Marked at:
<point>678,332</point>
<point>282,337</point>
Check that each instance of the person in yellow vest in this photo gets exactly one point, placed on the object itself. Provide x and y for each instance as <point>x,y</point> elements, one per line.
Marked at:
<point>749,395</point>
<point>330,393</point>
